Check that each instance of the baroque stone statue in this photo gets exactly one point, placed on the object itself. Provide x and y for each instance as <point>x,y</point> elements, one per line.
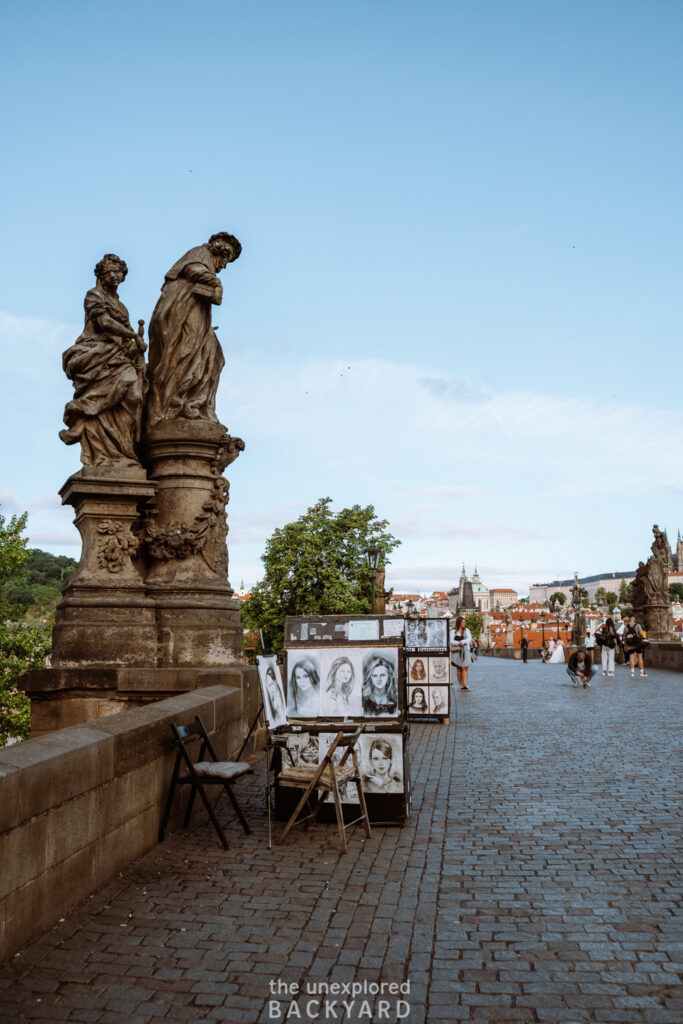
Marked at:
<point>106,365</point>
<point>185,356</point>
<point>651,590</point>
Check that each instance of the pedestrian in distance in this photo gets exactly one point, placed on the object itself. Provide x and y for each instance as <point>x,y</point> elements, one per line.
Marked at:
<point>580,668</point>
<point>590,643</point>
<point>634,646</point>
<point>461,655</point>
<point>607,639</point>
<point>622,658</point>
<point>524,644</point>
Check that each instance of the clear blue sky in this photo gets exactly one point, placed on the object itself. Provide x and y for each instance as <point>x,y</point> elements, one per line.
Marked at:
<point>459,297</point>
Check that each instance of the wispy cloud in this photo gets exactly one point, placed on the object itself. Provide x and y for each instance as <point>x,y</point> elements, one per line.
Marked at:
<point>449,389</point>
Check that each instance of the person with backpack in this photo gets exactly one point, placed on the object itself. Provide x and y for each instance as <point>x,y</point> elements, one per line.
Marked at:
<point>634,646</point>
<point>606,636</point>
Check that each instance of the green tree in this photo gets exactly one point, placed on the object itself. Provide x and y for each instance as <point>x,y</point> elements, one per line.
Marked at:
<point>558,598</point>
<point>676,591</point>
<point>612,600</point>
<point>600,596</point>
<point>316,566</point>
<point>474,622</point>
<point>625,593</point>
<point>22,646</point>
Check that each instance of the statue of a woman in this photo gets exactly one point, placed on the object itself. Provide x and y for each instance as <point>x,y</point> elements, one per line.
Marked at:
<point>106,365</point>
<point>185,356</point>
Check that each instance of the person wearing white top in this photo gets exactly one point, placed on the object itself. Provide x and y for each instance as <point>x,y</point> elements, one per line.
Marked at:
<point>461,655</point>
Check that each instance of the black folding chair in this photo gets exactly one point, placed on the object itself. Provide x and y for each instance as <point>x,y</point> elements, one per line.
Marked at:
<point>201,773</point>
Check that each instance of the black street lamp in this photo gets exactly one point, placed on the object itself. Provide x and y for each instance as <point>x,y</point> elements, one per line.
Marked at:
<point>373,557</point>
<point>542,617</point>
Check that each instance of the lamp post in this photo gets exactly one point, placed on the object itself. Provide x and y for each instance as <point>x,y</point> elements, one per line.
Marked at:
<point>410,608</point>
<point>373,557</point>
<point>542,617</point>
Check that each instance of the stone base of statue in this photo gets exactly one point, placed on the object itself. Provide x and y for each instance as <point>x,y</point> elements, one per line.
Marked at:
<point>105,616</point>
<point>658,622</point>
<point>185,543</point>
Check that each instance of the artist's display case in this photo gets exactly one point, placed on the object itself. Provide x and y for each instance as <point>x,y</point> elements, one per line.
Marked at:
<point>427,670</point>
<point>342,672</point>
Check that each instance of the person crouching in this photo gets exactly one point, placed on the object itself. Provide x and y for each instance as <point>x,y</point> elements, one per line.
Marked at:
<point>580,668</point>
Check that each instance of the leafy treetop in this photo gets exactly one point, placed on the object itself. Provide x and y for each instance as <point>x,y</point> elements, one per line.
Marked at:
<point>316,566</point>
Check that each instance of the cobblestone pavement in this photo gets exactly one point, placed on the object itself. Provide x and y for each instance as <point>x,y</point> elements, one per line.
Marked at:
<point>536,881</point>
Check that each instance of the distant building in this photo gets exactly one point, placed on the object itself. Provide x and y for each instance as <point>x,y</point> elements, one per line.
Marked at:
<point>542,592</point>
<point>469,595</point>
<point>502,597</point>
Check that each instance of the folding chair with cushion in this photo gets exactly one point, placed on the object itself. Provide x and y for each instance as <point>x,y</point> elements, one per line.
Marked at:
<point>326,778</point>
<point>202,773</point>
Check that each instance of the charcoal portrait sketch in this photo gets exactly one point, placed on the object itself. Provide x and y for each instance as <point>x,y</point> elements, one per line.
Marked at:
<point>380,682</point>
<point>303,685</point>
<point>341,683</point>
<point>381,763</point>
<point>272,691</point>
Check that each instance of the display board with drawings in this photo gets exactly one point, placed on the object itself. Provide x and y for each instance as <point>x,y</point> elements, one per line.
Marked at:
<point>426,635</point>
<point>342,671</point>
<point>428,686</point>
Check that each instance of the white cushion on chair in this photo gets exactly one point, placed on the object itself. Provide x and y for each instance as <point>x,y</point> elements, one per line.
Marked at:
<point>221,769</point>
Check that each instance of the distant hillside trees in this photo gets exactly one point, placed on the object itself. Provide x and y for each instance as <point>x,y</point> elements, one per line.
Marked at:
<point>22,645</point>
<point>34,592</point>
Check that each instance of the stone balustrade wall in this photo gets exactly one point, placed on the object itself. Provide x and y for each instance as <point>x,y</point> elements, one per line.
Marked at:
<point>80,804</point>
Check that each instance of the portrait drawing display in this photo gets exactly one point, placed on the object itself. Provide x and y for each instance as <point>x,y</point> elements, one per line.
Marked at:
<point>343,682</point>
<point>438,696</point>
<point>347,790</point>
<point>418,702</point>
<point>426,634</point>
<point>302,749</point>
<point>417,670</point>
<point>272,690</point>
<point>303,684</point>
<point>341,674</point>
<point>438,671</point>
<point>381,762</point>
<point>380,682</point>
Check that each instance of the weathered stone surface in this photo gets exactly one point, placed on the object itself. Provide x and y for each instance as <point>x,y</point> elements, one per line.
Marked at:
<point>106,365</point>
<point>185,356</point>
<point>77,806</point>
<point>105,617</point>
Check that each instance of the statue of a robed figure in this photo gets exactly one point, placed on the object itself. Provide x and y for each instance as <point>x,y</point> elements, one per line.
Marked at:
<point>107,367</point>
<point>650,587</point>
<point>185,356</point>
<point>151,591</point>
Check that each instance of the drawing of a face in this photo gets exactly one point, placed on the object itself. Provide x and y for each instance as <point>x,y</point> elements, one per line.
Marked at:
<point>309,753</point>
<point>344,674</point>
<point>380,677</point>
<point>381,763</point>
<point>302,679</point>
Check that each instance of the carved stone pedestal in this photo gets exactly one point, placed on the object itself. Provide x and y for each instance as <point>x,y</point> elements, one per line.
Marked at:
<point>658,621</point>
<point>105,616</point>
<point>185,535</point>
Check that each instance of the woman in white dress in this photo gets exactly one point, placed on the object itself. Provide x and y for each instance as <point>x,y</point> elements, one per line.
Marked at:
<point>557,657</point>
<point>461,655</point>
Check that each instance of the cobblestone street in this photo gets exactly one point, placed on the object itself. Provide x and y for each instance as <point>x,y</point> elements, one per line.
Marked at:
<point>537,879</point>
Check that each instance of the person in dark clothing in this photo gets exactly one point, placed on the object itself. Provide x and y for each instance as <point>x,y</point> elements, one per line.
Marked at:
<point>524,644</point>
<point>580,668</point>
